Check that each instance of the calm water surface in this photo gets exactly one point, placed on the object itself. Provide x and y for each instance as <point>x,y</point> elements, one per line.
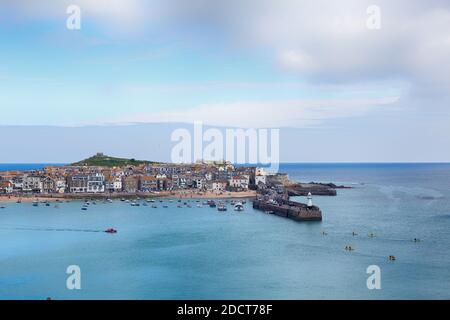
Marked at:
<point>199,253</point>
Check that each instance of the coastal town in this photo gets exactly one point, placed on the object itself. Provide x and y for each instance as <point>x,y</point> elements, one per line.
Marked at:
<point>105,177</point>
<point>201,178</point>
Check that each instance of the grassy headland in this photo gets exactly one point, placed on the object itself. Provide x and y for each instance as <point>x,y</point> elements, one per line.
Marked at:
<point>101,160</point>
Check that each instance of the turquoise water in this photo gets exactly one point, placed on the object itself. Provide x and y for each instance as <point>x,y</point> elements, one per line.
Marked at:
<point>199,253</point>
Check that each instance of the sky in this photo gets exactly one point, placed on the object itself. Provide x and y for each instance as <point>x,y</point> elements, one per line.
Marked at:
<point>317,70</point>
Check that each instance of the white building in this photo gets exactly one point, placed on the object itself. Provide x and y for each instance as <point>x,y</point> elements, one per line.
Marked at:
<point>218,185</point>
<point>260,176</point>
<point>60,185</point>
<point>6,187</point>
<point>96,183</point>
<point>32,184</point>
<point>239,182</point>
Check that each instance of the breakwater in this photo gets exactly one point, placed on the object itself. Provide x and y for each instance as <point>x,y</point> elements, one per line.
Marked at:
<point>289,209</point>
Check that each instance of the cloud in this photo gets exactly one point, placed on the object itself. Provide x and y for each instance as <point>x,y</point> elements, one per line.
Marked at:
<point>293,113</point>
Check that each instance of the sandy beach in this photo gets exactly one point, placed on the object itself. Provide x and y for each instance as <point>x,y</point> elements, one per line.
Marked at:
<point>179,194</point>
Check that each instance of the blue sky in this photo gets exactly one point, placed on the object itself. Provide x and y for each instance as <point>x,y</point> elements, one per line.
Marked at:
<point>304,65</point>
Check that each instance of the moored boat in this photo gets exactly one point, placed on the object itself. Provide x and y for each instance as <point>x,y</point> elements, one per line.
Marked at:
<point>239,206</point>
<point>222,207</point>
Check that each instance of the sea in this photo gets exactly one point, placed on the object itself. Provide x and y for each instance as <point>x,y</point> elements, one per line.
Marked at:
<point>201,253</point>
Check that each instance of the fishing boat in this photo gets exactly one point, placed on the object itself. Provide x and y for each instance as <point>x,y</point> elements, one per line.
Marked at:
<point>222,207</point>
<point>238,207</point>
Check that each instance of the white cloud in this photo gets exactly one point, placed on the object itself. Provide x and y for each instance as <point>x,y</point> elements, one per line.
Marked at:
<point>294,113</point>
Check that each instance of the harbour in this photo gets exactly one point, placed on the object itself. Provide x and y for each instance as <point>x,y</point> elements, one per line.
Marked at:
<point>199,252</point>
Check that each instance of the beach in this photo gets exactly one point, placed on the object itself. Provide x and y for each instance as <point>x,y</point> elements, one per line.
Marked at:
<point>179,194</point>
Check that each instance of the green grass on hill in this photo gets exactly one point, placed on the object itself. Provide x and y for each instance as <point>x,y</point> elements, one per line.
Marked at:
<point>107,161</point>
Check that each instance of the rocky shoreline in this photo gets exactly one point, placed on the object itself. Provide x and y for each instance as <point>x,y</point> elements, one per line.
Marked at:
<point>315,188</point>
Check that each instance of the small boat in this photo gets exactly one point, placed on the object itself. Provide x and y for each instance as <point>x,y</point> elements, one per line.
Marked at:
<point>238,207</point>
<point>145,204</point>
<point>19,201</point>
<point>199,206</point>
<point>165,206</point>
<point>2,207</point>
<point>211,203</point>
<point>111,230</point>
<point>35,203</point>
<point>84,208</point>
<point>122,199</point>
<point>179,206</point>
<point>154,207</point>
<point>135,204</point>
<point>222,207</point>
<point>109,200</point>
<point>268,211</point>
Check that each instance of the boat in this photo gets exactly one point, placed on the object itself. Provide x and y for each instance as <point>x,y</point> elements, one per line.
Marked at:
<point>47,204</point>
<point>123,199</point>
<point>2,207</point>
<point>84,208</point>
<point>109,200</point>
<point>154,207</point>
<point>211,203</point>
<point>135,204</point>
<point>111,230</point>
<point>165,206</point>
<point>199,206</point>
<point>239,207</point>
<point>145,204</point>
<point>19,201</point>
<point>222,207</point>
<point>268,211</point>
<point>35,203</point>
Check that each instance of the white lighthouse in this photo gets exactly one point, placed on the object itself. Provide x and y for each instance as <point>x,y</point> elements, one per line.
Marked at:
<point>310,204</point>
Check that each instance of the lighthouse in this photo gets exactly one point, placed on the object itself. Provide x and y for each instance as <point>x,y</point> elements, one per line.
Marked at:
<point>310,204</point>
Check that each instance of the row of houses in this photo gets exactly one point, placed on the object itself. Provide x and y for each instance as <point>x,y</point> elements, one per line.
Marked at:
<point>148,178</point>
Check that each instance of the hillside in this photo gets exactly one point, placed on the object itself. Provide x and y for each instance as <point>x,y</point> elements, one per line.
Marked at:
<point>107,161</point>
